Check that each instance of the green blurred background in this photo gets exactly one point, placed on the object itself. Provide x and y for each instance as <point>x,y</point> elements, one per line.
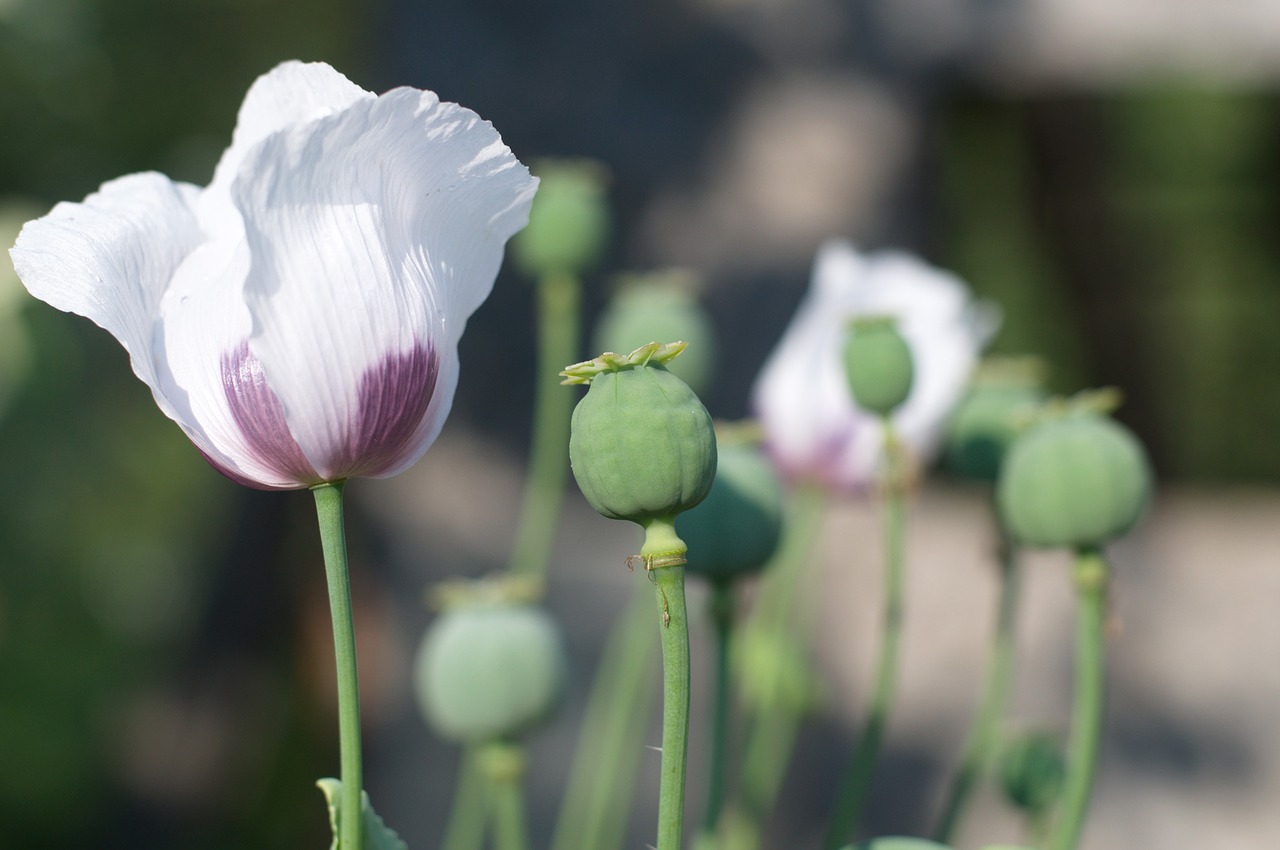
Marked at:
<point>161,679</point>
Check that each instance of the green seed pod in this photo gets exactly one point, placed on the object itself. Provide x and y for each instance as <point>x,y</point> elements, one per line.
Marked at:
<point>490,670</point>
<point>1004,394</point>
<point>661,305</point>
<point>1077,479</point>
<point>1031,773</point>
<point>642,446</point>
<point>878,364</point>
<point>569,222</point>
<point>736,529</point>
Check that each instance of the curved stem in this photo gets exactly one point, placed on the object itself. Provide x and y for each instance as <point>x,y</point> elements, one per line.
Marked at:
<point>558,308</point>
<point>503,766</point>
<point>1090,576</point>
<point>333,540</point>
<point>980,746</point>
<point>721,610</point>
<point>857,782</point>
<point>465,830</point>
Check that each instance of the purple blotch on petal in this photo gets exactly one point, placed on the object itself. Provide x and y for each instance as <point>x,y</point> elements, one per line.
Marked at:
<point>393,399</point>
<point>258,413</point>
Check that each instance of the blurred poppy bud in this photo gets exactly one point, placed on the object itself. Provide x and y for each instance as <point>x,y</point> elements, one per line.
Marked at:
<point>642,445</point>
<point>877,364</point>
<point>661,305</point>
<point>569,224</point>
<point>737,527</point>
<point>490,668</point>
<point>1004,393</point>
<point>1077,478</point>
<point>1031,772</point>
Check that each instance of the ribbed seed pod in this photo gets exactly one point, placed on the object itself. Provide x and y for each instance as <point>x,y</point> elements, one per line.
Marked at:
<point>985,424</point>
<point>1075,480</point>
<point>490,670</point>
<point>642,446</point>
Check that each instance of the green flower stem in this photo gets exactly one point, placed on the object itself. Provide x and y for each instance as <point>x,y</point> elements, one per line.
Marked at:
<point>662,544</point>
<point>774,727</point>
<point>1090,577</point>
<point>720,605</point>
<point>333,539</point>
<point>597,800</point>
<point>981,746</point>
<point>502,764</point>
<point>465,830</point>
<point>558,308</point>
<point>857,782</point>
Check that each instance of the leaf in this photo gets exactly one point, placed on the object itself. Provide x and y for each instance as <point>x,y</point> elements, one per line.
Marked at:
<point>377,835</point>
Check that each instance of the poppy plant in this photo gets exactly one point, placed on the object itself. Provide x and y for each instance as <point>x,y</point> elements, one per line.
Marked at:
<point>299,317</point>
<point>813,429</point>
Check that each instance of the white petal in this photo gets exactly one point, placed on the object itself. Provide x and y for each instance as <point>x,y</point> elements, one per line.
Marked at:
<point>291,94</point>
<point>217,387</point>
<point>110,258</point>
<point>373,235</point>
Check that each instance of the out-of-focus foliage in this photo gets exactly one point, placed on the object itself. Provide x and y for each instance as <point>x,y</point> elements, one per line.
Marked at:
<point>129,707</point>
<point>1130,238</point>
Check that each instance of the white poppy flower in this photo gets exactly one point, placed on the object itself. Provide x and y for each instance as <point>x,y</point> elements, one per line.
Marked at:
<point>813,429</point>
<point>298,318</point>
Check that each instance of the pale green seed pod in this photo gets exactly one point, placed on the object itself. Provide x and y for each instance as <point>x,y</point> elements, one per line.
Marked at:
<point>735,531</point>
<point>656,306</point>
<point>1074,480</point>
<point>642,445</point>
<point>569,222</point>
<point>878,365</point>
<point>490,670</point>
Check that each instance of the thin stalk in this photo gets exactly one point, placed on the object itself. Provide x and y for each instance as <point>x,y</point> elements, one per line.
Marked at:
<point>558,309</point>
<point>720,605</point>
<point>1090,577</point>
<point>779,611</point>
<point>981,745</point>
<point>663,554</point>
<point>503,766</point>
<point>333,540</point>
<point>674,631</point>
<point>597,799</point>
<point>853,792</point>
<point>465,830</point>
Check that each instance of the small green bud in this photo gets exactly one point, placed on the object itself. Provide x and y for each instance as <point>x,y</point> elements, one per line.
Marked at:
<point>878,364</point>
<point>1076,479</point>
<point>642,446</point>
<point>661,305</point>
<point>1004,394</point>
<point>569,222</point>
<point>736,529</point>
<point>1031,773</point>
<point>490,670</point>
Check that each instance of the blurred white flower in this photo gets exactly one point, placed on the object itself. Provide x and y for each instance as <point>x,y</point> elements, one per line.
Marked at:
<point>813,430</point>
<point>299,318</point>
